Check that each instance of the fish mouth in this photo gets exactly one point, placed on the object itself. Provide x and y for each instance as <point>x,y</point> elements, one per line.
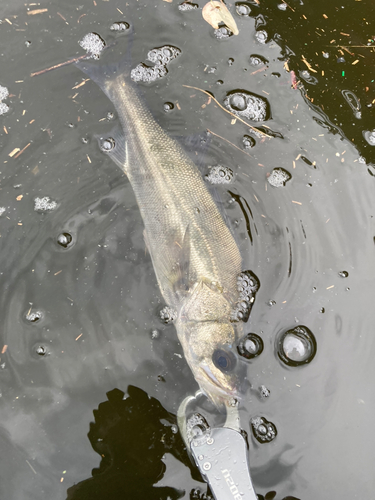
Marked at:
<point>206,376</point>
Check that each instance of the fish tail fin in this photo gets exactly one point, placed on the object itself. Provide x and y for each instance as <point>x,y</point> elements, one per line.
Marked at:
<point>104,71</point>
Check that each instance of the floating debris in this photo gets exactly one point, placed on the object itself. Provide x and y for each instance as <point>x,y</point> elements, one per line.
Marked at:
<point>217,12</point>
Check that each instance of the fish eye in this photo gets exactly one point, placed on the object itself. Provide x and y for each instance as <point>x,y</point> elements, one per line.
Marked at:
<point>225,361</point>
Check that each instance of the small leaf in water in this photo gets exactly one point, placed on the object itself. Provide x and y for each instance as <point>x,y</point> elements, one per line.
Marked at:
<point>217,12</point>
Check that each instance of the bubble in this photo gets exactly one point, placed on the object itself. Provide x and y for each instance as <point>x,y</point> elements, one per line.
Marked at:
<point>44,204</point>
<point>119,27</point>
<point>33,316</point>
<point>27,43</point>
<point>238,102</point>
<point>279,177</point>
<point>155,334</point>
<point>326,55</point>
<point>297,346</point>
<point>343,274</point>
<point>93,44</point>
<point>39,350</point>
<point>322,310</point>
<point>84,140</point>
<point>219,82</point>
<point>64,239</point>
<point>185,6</point>
<point>197,429</point>
<point>2,210</point>
<point>353,102</point>
<point>256,60</point>
<point>261,36</point>
<point>148,74</point>
<point>110,116</point>
<point>107,144</point>
<point>163,55</point>
<point>263,430</point>
<point>222,33</point>
<point>282,6</point>
<point>230,61</point>
<point>247,286</point>
<point>248,142</point>
<point>167,315</point>
<point>264,392</point>
<point>250,346</point>
<point>247,105</point>
<point>219,175</point>
<point>308,77</point>
<point>243,9</point>
<point>4,108</point>
<point>168,106</point>
<point>341,59</point>
<point>370,137</point>
<point>4,93</point>
<point>161,378</point>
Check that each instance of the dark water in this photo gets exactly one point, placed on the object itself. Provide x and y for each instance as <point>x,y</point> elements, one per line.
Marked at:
<point>78,317</point>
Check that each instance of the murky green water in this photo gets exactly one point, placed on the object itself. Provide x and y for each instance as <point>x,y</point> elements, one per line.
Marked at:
<point>77,320</point>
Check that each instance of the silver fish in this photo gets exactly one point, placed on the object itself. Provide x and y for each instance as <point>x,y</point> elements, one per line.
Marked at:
<point>194,254</point>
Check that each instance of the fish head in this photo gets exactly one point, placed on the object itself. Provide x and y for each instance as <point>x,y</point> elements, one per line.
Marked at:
<point>210,350</point>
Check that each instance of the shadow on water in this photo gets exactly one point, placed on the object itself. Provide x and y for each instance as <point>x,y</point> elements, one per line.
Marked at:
<point>132,436</point>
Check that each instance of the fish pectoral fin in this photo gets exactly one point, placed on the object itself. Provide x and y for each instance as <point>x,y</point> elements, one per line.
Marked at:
<point>175,263</point>
<point>114,145</point>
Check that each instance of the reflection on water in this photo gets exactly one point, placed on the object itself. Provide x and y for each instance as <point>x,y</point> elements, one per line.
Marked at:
<point>79,298</point>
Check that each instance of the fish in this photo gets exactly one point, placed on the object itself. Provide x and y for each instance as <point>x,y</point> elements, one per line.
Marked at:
<point>194,254</point>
